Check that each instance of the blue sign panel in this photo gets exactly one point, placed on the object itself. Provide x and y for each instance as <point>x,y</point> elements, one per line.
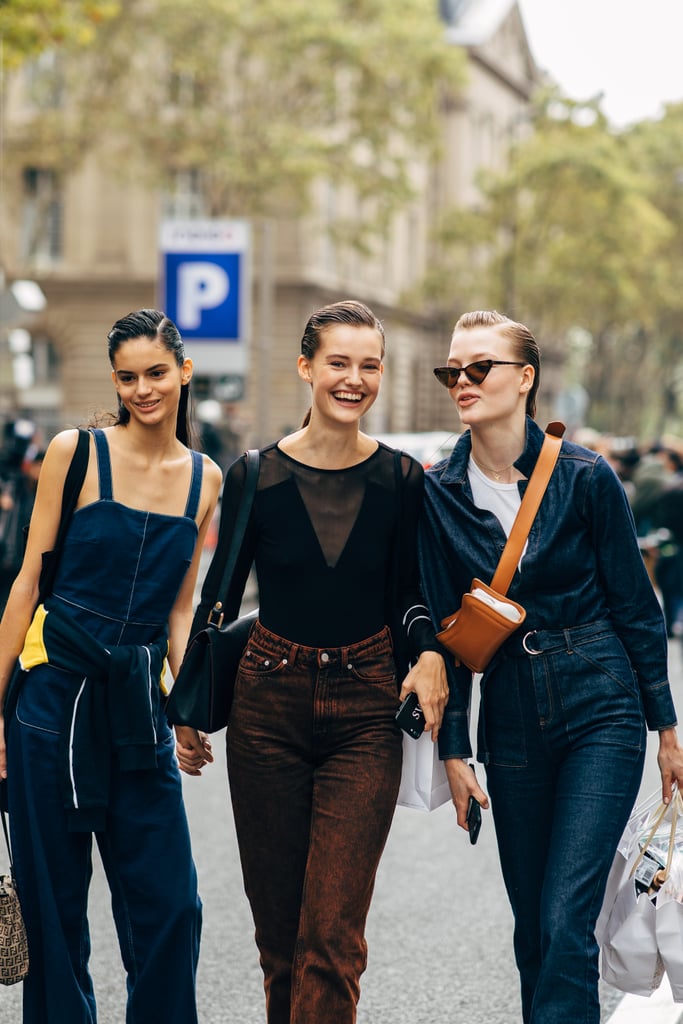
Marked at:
<point>203,294</point>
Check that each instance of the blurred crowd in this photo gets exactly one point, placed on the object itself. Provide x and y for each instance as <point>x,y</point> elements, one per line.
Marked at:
<point>21,456</point>
<point>653,478</point>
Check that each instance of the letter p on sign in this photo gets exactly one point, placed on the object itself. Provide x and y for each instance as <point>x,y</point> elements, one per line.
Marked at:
<point>201,286</point>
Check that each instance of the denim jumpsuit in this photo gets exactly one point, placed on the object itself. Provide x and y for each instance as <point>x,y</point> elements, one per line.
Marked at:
<point>564,704</point>
<point>120,572</point>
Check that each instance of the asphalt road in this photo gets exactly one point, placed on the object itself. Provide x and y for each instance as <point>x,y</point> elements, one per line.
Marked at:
<point>439,931</point>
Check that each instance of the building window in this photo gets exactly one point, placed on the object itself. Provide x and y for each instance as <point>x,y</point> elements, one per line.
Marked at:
<point>45,81</point>
<point>42,221</point>
<point>182,89</point>
<point>45,360</point>
<point>184,198</point>
<point>329,223</point>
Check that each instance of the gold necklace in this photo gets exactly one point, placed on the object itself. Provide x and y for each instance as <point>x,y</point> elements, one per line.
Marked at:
<point>497,473</point>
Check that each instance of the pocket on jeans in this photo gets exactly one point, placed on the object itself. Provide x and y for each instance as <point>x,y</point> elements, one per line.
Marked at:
<point>609,659</point>
<point>42,699</point>
<point>374,669</point>
<point>502,725</point>
<point>256,661</point>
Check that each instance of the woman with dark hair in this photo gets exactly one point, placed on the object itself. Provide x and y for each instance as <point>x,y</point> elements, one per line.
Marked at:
<point>314,753</point>
<point>151,323</point>
<point>566,701</point>
<point>88,747</point>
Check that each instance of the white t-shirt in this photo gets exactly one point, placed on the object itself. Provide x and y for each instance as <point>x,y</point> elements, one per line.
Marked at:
<point>501,499</point>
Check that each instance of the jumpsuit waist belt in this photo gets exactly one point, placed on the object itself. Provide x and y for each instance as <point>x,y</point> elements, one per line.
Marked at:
<point>532,642</point>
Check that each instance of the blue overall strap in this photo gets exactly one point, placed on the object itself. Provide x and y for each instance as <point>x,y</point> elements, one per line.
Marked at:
<point>195,485</point>
<point>103,464</point>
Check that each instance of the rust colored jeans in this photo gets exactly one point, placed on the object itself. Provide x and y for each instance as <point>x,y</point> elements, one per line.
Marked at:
<point>314,761</point>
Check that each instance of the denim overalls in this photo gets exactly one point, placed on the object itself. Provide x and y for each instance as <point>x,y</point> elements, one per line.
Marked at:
<point>120,572</point>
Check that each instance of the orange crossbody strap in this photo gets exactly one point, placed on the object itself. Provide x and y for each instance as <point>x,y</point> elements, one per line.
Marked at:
<point>538,481</point>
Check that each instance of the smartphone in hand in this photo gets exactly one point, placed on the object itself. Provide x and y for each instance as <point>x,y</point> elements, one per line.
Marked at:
<point>473,819</point>
<point>410,716</point>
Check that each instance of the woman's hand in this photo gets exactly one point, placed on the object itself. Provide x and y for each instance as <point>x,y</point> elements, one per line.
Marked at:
<point>463,783</point>
<point>670,761</point>
<point>428,679</point>
<point>193,749</point>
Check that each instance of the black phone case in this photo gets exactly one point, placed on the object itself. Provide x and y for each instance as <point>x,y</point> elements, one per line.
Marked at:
<point>411,717</point>
<point>473,819</point>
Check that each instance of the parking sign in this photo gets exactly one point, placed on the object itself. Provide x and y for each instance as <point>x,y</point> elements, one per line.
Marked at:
<point>205,290</point>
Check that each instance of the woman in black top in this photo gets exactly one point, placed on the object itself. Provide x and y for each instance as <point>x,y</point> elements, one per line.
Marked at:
<point>314,754</point>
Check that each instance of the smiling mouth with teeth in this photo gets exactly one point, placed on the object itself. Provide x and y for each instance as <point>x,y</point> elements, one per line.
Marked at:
<point>348,396</point>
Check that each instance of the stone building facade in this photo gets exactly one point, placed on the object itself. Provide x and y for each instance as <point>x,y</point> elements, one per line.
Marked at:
<point>90,241</point>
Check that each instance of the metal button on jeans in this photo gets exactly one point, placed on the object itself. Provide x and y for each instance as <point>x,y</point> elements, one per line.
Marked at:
<point>324,657</point>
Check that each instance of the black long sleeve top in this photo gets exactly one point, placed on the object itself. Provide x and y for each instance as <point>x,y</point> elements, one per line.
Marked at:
<point>334,551</point>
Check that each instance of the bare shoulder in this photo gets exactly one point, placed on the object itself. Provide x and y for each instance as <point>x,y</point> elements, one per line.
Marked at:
<point>367,445</point>
<point>212,481</point>
<point>289,444</point>
<point>60,452</point>
<point>47,508</point>
<point>213,474</point>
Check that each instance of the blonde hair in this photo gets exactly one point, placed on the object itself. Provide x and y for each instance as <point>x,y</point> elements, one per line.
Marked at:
<point>526,346</point>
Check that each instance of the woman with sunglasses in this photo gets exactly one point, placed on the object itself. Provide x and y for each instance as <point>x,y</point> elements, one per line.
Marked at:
<point>314,752</point>
<point>566,701</point>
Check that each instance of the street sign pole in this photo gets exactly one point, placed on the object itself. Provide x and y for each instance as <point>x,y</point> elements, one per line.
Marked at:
<point>266,287</point>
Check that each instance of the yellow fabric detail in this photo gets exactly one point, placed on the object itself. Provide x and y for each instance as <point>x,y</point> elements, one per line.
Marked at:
<point>34,652</point>
<point>162,678</point>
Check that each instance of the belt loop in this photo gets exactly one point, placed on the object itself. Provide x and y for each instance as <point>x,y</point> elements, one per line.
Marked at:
<point>568,640</point>
<point>292,653</point>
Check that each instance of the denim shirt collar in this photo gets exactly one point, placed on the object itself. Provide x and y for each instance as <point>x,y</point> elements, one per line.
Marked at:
<point>455,470</point>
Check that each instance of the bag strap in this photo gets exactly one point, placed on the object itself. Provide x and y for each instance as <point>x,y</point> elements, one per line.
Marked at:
<point>676,807</point>
<point>72,488</point>
<point>9,848</point>
<point>528,508</point>
<point>241,523</point>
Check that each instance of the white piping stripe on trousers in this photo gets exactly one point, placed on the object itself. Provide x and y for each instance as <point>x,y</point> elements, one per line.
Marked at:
<point>74,794</point>
<point>149,692</point>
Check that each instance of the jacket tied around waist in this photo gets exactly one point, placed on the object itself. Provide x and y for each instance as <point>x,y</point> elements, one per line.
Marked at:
<point>110,715</point>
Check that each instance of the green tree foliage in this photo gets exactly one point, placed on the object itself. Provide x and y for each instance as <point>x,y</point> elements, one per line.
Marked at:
<point>260,99</point>
<point>657,148</point>
<point>29,27</point>
<point>574,234</point>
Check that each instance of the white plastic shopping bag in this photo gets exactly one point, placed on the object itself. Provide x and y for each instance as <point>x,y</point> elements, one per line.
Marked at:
<point>669,916</point>
<point>424,785</point>
<point>640,928</point>
<point>669,933</point>
<point>631,960</point>
<point>625,857</point>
